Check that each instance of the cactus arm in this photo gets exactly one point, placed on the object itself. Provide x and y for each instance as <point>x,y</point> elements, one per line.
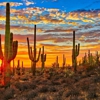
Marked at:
<point>30,53</point>
<point>1,53</point>
<point>77,49</point>
<point>38,55</point>
<point>14,53</point>
<point>15,48</point>
<point>43,56</point>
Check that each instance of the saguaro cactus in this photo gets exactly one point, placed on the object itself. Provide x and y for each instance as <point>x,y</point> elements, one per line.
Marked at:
<point>18,68</point>
<point>43,58</point>
<point>90,58</point>
<point>56,63</point>
<point>32,53</point>
<point>64,60</point>
<point>84,60</point>
<point>23,69</point>
<point>10,48</point>
<point>97,58</point>
<point>75,53</point>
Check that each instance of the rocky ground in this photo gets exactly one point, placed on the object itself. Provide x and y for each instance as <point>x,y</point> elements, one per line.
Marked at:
<point>54,84</point>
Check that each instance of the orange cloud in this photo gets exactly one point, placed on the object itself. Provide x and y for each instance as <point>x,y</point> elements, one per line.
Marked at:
<point>11,4</point>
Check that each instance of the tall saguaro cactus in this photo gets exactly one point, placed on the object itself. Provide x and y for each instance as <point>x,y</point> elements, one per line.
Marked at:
<point>75,53</point>
<point>32,53</point>
<point>10,48</point>
<point>43,58</point>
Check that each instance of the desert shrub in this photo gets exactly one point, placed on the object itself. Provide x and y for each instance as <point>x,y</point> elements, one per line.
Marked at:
<point>24,78</point>
<point>74,98</point>
<point>92,95</point>
<point>57,98</point>
<point>55,78</point>
<point>42,82</point>
<point>85,87</point>
<point>73,92</point>
<point>55,83</point>
<point>96,79</point>
<point>9,93</point>
<point>2,90</point>
<point>41,98</point>
<point>43,89</point>
<point>58,95</point>
<point>30,94</point>
<point>21,98</point>
<point>36,81</point>
<point>63,81</point>
<point>22,86</point>
<point>31,85</point>
<point>90,68</point>
<point>68,73</point>
<point>52,89</point>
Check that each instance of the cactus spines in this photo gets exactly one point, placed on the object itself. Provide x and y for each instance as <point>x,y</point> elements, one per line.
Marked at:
<point>43,58</point>
<point>75,53</point>
<point>64,61</point>
<point>32,53</point>
<point>10,48</point>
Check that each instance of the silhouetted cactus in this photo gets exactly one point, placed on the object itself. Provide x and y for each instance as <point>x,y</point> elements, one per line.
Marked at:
<point>97,58</point>
<point>56,63</point>
<point>10,48</point>
<point>64,61</point>
<point>32,54</point>
<point>18,68</point>
<point>90,58</point>
<point>75,53</point>
<point>23,69</point>
<point>43,58</point>
<point>84,60</point>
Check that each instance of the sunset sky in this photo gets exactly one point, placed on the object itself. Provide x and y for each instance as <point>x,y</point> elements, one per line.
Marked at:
<point>55,20</point>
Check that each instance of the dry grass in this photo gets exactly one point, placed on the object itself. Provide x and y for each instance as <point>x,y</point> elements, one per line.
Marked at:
<point>54,85</point>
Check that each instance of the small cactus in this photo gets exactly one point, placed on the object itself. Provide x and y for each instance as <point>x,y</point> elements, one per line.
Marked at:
<point>23,69</point>
<point>43,58</point>
<point>64,61</point>
<point>56,63</point>
<point>18,68</point>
